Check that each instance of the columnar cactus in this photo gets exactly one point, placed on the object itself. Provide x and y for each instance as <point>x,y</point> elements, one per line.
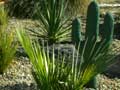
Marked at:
<point>76,34</point>
<point>92,34</point>
<point>92,23</point>
<point>92,27</point>
<point>107,35</point>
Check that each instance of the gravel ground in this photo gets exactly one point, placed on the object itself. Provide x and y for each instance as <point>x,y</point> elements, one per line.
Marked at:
<point>18,76</point>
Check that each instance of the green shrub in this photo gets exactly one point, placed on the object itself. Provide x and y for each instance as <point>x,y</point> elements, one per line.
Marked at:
<point>7,46</point>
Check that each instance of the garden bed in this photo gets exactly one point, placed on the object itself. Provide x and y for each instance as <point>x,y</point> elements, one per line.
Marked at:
<point>18,76</point>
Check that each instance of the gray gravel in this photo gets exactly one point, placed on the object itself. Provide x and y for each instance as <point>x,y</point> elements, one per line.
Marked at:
<point>18,77</point>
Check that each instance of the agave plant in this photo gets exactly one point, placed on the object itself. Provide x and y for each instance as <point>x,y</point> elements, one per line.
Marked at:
<point>7,45</point>
<point>53,27</point>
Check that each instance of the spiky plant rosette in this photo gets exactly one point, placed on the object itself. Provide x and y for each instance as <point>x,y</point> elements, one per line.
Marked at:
<point>53,25</point>
<point>47,72</point>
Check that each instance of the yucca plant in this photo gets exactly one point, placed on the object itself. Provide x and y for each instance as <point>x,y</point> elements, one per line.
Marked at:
<point>7,45</point>
<point>53,25</point>
<point>53,73</point>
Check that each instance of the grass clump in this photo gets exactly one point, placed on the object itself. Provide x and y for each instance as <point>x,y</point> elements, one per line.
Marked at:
<point>7,46</point>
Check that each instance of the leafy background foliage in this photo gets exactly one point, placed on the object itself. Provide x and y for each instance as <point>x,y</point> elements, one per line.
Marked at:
<point>22,8</point>
<point>27,8</point>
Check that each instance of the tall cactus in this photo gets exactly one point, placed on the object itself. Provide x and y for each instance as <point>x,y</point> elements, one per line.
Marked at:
<point>92,24</point>
<point>108,26</point>
<point>92,27</point>
<point>92,34</point>
<point>76,34</point>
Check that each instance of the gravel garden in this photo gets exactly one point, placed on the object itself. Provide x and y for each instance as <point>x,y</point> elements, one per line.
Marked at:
<point>56,48</point>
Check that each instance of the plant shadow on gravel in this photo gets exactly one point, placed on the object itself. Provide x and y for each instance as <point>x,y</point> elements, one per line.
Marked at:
<point>19,86</point>
<point>111,75</point>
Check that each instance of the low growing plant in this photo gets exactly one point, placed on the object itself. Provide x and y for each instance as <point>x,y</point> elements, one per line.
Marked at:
<point>7,45</point>
<point>47,72</point>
